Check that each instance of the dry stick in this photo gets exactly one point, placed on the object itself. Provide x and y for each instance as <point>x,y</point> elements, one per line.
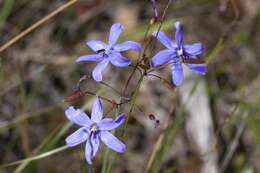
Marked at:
<point>112,102</point>
<point>86,77</point>
<point>241,127</point>
<point>164,81</point>
<point>233,146</point>
<point>157,145</point>
<point>23,127</point>
<point>218,131</point>
<point>152,157</point>
<point>36,25</point>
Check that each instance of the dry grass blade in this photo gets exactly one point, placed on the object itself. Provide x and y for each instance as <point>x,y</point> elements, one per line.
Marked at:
<point>36,25</point>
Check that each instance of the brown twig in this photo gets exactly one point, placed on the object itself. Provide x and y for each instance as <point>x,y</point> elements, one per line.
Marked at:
<point>36,25</point>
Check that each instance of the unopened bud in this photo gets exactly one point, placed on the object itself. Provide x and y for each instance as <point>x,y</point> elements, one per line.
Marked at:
<point>153,20</point>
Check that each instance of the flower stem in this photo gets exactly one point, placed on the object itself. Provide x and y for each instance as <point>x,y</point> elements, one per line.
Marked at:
<point>133,101</point>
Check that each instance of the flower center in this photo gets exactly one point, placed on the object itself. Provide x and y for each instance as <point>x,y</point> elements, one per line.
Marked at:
<point>109,50</point>
<point>180,52</point>
<point>94,127</point>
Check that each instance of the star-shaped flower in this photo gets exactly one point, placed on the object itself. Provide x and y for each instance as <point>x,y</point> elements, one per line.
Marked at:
<point>110,52</point>
<point>176,52</point>
<point>93,130</point>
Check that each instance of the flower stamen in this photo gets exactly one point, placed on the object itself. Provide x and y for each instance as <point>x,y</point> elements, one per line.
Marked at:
<point>180,52</point>
<point>94,127</point>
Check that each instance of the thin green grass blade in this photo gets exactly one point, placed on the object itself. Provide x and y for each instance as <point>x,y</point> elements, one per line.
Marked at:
<point>6,11</point>
<point>40,156</point>
<point>48,143</point>
<point>21,167</point>
<point>58,136</point>
<point>171,169</point>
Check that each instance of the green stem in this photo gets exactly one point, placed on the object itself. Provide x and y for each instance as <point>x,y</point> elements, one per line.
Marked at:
<point>133,101</point>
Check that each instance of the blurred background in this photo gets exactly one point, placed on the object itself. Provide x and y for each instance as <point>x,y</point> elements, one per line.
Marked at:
<point>210,124</point>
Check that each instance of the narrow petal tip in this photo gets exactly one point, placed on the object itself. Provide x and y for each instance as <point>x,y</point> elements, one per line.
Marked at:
<point>137,47</point>
<point>112,142</point>
<point>122,150</point>
<point>200,69</point>
<point>121,118</point>
<point>115,31</point>
<point>97,110</point>
<point>177,24</point>
<point>89,58</point>
<point>152,64</point>
<point>118,26</point>
<point>78,61</point>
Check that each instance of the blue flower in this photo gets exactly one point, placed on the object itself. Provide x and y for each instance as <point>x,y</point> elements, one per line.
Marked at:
<point>175,52</point>
<point>110,52</point>
<point>93,130</point>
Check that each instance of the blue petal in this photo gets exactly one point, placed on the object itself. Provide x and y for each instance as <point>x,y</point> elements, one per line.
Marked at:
<point>198,68</point>
<point>177,73</point>
<point>78,117</point>
<point>97,72</point>
<point>96,45</point>
<point>91,148</point>
<point>154,8</point>
<point>128,45</point>
<point>118,60</point>
<point>112,142</point>
<point>95,57</point>
<point>77,137</point>
<point>194,49</point>
<point>97,111</point>
<point>179,34</point>
<point>110,124</point>
<point>115,32</point>
<point>163,57</point>
<point>165,40</point>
